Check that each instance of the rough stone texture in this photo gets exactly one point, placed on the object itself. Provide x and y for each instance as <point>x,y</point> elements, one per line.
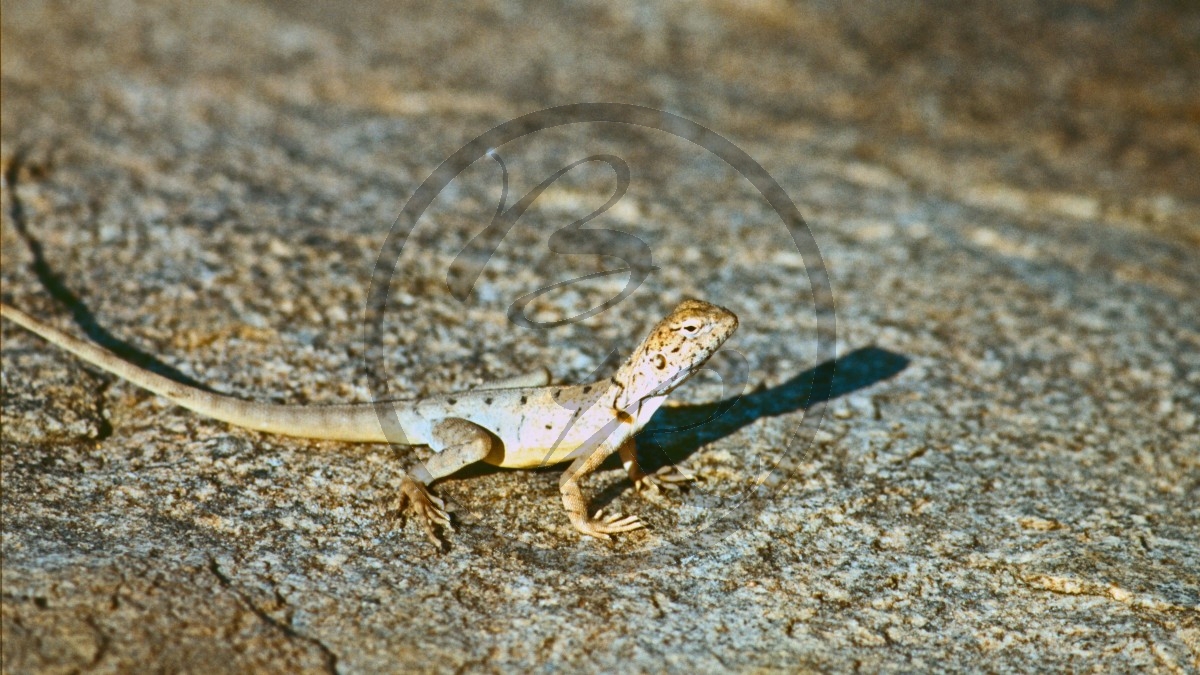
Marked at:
<point>1006,477</point>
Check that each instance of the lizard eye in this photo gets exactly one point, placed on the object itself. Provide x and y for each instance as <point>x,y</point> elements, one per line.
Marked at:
<point>689,328</point>
<point>660,361</point>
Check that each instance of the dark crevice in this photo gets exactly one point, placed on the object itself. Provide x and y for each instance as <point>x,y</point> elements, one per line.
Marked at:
<point>330,657</point>
<point>104,640</point>
<point>54,284</point>
<point>104,428</point>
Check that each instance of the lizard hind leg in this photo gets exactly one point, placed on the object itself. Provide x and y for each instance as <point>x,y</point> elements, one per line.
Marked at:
<point>456,443</point>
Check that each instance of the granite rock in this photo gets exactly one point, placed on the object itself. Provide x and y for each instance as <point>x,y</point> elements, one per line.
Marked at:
<point>999,469</point>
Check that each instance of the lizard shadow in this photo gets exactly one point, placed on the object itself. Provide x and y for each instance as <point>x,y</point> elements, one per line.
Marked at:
<point>678,432</point>
<point>58,289</point>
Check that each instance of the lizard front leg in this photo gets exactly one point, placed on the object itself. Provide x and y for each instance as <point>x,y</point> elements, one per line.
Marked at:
<point>577,506</point>
<point>668,477</point>
<point>456,443</point>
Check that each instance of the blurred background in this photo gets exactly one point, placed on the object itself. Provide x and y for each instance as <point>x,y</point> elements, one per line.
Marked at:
<point>1094,97</point>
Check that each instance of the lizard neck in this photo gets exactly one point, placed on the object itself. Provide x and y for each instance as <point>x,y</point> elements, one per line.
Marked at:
<point>640,406</point>
<point>634,387</point>
<point>645,410</point>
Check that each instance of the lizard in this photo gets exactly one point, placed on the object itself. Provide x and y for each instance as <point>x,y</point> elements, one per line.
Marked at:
<point>521,423</point>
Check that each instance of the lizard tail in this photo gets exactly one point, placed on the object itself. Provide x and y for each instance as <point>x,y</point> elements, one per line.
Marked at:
<point>357,423</point>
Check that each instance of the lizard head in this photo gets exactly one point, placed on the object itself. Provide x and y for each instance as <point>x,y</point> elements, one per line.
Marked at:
<point>677,347</point>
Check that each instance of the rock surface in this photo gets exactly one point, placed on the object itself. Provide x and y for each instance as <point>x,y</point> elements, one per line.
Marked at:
<point>1006,197</point>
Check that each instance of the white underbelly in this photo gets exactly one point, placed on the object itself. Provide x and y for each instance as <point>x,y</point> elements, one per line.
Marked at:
<point>543,443</point>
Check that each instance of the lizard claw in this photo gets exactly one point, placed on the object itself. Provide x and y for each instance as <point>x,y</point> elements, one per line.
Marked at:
<point>428,508</point>
<point>602,526</point>
<point>669,477</point>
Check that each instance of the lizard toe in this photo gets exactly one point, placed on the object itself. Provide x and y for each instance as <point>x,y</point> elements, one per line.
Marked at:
<point>645,485</point>
<point>426,508</point>
<point>666,478</point>
<point>600,526</point>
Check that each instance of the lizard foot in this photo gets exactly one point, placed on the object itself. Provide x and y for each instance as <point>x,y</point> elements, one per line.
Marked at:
<point>602,526</point>
<point>426,507</point>
<point>668,477</point>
